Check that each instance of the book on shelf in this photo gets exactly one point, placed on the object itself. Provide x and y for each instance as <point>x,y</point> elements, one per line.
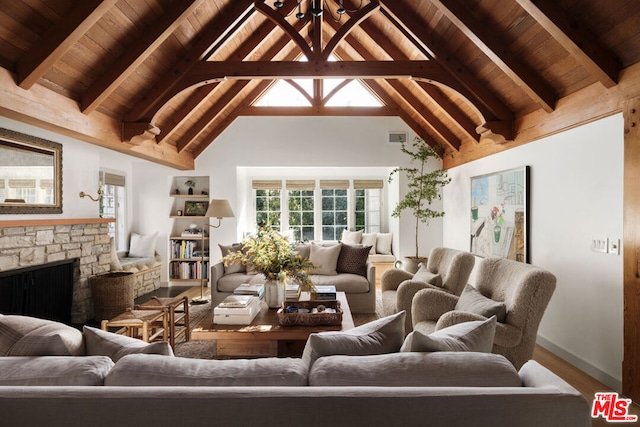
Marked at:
<point>237,301</point>
<point>250,289</point>
<point>326,292</point>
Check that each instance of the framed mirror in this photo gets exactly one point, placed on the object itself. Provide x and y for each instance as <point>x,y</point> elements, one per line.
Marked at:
<point>30,174</point>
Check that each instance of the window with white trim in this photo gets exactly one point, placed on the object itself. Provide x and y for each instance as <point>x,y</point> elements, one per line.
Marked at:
<point>113,205</point>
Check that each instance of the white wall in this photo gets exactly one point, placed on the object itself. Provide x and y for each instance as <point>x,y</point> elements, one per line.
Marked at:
<point>575,194</point>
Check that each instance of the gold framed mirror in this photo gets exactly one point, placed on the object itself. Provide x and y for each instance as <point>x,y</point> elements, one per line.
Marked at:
<point>30,174</point>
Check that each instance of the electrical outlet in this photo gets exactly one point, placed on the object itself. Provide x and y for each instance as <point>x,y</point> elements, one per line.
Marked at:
<point>600,244</point>
<point>614,246</point>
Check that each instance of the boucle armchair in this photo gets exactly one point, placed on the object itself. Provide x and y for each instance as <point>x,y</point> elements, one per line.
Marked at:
<point>516,292</point>
<point>447,270</point>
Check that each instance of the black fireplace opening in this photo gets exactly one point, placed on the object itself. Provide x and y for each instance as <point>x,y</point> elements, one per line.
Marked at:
<point>44,291</point>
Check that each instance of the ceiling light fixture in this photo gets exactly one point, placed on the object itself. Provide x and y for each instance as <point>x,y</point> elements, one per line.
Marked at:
<point>316,8</point>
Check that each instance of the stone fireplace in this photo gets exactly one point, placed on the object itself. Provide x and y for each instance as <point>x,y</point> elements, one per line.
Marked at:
<point>25,243</point>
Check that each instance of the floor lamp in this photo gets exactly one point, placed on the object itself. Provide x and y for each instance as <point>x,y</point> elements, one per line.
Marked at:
<point>218,208</point>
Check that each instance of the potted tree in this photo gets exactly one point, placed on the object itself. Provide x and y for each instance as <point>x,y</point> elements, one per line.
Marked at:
<point>424,188</point>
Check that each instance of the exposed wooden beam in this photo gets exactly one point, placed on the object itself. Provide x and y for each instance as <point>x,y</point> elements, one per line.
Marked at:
<point>480,94</point>
<point>58,40</point>
<point>136,54</point>
<point>218,30</point>
<point>346,28</point>
<point>290,30</point>
<point>48,110</point>
<point>580,43</point>
<point>490,43</point>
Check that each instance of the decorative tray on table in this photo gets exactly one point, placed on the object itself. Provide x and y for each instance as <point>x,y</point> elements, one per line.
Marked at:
<point>308,313</point>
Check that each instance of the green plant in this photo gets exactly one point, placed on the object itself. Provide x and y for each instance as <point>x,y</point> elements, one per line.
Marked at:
<point>424,187</point>
<point>271,254</point>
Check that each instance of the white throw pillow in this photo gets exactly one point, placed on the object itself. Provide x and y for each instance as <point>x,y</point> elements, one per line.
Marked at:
<point>352,237</point>
<point>325,258</point>
<point>474,336</point>
<point>115,261</point>
<point>378,337</point>
<point>142,246</point>
<point>369,239</point>
<point>383,243</point>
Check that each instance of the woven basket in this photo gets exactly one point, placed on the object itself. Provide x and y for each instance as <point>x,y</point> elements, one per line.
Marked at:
<point>310,319</point>
<point>112,294</point>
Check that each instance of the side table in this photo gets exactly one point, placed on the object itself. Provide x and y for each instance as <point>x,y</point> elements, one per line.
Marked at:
<point>178,315</point>
<point>152,322</point>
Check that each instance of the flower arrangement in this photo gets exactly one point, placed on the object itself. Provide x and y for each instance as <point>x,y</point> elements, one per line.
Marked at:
<point>271,254</point>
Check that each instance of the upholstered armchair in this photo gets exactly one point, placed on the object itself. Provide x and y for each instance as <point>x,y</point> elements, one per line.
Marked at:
<point>517,293</point>
<point>447,271</point>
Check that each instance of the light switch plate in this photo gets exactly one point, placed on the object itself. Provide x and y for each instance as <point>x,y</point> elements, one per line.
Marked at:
<point>600,244</point>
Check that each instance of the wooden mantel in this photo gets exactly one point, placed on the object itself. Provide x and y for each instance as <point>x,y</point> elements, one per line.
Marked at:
<point>53,221</point>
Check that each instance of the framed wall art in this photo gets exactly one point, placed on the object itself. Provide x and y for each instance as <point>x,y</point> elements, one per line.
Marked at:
<point>194,208</point>
<point>500,214</point>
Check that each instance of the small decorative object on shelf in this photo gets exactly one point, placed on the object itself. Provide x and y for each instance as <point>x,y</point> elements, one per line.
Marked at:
<point>190,184</point>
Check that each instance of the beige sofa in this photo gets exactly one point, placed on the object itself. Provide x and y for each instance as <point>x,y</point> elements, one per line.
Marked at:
<point>359,288</point>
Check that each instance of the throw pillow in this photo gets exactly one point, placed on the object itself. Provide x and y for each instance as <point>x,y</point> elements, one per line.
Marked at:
<point>115,261</point>
<point>369,239</point>
<point>472,301</point>
<point>383,243</point>
<point>474,336</point>
<point>115,346</point>
<point>424,275</point>
<point>352,237</point>
<point>142,246</point>
<point>353,259</point>
<point>303,249</point>
<point>54,371</point>
<point>30,336</point>
<point>378,337</point>
<point>234,267</point>
<point>325,258</point>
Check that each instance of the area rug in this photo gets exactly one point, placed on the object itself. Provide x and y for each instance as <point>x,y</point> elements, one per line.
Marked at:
<point>199,349</point>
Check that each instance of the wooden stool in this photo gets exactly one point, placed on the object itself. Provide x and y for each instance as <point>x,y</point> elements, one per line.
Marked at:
<point>178,316</point>
<point>152,322</point>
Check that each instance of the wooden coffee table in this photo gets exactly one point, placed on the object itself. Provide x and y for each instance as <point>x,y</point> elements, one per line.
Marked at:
<point>265,337</point>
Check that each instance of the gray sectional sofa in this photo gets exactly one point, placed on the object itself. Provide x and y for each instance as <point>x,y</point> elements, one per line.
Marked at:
<point>54,375</point>
<point>360,288</point>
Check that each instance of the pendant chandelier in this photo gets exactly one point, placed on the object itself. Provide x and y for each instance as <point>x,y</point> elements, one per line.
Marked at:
<point>316,8</point>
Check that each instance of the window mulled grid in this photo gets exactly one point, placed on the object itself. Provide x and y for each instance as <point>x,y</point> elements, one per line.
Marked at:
<point>368,207</point>
<point>301,205</point>
<point>268,208</point>
<point>335,213</point>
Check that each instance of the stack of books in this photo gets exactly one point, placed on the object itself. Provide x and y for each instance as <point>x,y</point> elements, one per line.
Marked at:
<point>192,232</point>
<point>237,310</point>
<point>292,292</point>
<point>326,292</point>
<point>250,289</point>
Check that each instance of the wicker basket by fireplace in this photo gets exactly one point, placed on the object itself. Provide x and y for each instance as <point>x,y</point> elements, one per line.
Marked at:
<point>112,294</point>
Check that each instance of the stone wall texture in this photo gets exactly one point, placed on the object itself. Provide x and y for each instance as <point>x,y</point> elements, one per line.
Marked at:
<point>33,245</point>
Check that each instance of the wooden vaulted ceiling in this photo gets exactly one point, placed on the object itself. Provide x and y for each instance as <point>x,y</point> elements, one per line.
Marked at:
<point>162,79</point>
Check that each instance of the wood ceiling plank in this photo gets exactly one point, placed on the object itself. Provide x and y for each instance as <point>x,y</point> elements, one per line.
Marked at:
<point>56,41</point>
<point>482,95</point>
<point>579,42</point>
<point>492,46</point>
<point>216,31</point>
<point>136,54</point>
<point>348,26</point>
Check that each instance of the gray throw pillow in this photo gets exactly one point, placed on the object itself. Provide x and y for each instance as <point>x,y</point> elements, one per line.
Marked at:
<point>474,336</point>
<point>31,336</point>
<point>378,337</point>
<point>235,267</point>
<point>115,346</point>
<point>353,259</point>
<point>472,301</point>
